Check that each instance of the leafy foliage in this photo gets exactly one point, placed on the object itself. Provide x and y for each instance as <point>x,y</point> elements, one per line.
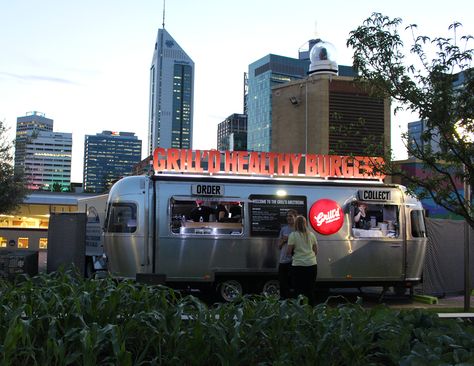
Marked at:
<point>12,186</point>
<point>62,319</point>
<point>436,82</point>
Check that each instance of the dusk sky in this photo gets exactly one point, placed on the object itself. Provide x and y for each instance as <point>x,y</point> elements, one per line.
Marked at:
<point>85,64</point>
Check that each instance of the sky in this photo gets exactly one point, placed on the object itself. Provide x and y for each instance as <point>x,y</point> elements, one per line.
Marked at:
<point>85,64</point>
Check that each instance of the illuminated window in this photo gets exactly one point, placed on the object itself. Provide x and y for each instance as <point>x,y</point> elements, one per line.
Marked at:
<point>23,243</point>
<point>3,242</point>
<point>43,243</point>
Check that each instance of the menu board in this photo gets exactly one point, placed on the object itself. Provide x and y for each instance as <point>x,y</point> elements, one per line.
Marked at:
<point>268,213</point>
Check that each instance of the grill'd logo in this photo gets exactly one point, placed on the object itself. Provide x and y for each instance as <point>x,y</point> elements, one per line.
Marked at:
<point>326,216</point>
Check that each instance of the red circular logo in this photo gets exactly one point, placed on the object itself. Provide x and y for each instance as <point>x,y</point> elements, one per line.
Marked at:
<point>326,216</point>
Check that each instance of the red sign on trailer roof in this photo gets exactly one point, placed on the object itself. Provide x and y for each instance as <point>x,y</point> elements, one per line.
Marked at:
<point>265,163</point>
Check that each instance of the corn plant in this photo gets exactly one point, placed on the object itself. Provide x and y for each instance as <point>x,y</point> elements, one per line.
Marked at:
<point>62,319</point>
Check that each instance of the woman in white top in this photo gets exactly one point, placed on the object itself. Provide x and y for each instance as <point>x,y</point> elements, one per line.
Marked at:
<point>304,245</point>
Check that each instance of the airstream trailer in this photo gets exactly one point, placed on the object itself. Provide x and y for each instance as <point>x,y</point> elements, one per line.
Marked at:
<point>152,231</point>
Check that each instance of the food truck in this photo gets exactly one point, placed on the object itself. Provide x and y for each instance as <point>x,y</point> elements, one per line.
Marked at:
<point>152,232</point>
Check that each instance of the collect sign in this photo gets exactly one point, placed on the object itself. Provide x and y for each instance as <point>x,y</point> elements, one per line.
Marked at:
<point>374,195</point>
<point>326,216</point>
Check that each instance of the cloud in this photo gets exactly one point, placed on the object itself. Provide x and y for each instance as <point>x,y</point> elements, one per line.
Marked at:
<point>35,78</point>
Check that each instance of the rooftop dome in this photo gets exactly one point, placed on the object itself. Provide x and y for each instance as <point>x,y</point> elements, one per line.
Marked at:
<point>323,59</point>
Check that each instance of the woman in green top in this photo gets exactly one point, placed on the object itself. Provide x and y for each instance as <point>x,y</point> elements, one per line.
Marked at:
<point>304,246</point>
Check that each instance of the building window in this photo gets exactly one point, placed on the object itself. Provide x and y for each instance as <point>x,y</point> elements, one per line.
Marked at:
<point>3,242</point>
<point>43,243</point>
<point>23,243</point>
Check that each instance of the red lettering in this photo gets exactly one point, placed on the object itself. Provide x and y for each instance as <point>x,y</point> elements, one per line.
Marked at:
<point>173,157</point>
<point>242,159</point>
<point>159,164</point>
<point>271,162</point>
<point>214,161</point>
<point>311,167</point>
<point>295,162</point>
<point>230,161</point>
<point>254,163</point>
<point>323,165</point>
<point>197,162</point>
<point>263,163</point>
<point>347,167</point>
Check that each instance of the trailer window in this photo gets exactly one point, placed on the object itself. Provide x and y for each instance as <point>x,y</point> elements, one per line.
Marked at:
<point>122,218</point>
<point>380,220</point>
<point>417,224</point>
<point>212,217</point>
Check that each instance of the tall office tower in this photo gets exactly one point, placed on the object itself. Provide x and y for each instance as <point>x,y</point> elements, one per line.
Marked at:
<point>30,123</point>
<point>109,156</point>
<point>171,95</point>
<point>48,159</point>
<point>232,133</point>
<point>265,74</point>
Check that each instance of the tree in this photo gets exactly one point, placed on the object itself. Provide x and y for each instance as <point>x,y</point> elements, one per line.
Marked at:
<point>438,86</point>
<point>12,184</point>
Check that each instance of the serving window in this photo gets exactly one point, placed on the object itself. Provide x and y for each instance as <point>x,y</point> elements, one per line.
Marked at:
<point>371,220</point>
<point>221,216</point>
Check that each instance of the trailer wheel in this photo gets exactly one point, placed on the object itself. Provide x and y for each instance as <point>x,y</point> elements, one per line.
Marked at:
<point>230,290</point>
<point>271,288</point>
<point>399,290</point>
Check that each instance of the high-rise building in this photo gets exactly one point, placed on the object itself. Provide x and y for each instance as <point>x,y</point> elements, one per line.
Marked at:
<point>109,156</point>
<point>171,95</point>
<point>48,160</point>
<point>232,133</point>
<point>31,122</point>
<point>42,155</point>
<point>265,74</point>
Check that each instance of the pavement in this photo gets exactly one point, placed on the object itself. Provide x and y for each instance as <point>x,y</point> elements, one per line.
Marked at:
<point>372,296</point>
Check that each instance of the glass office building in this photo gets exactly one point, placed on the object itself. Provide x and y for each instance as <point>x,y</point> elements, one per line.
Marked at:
<point>109,156</point>
<point>263,74</point>
<point>232,133</point>
<point>171,95</point>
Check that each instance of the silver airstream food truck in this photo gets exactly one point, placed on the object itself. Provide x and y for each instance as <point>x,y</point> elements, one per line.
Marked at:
<point>153,233</point>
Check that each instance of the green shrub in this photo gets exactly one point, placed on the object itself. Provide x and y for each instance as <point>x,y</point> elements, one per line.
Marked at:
<point>62,319</point>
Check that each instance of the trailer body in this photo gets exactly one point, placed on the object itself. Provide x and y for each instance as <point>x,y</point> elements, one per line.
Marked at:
<point>149,234</point>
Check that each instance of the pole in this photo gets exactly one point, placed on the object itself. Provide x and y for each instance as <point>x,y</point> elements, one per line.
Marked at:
<point>467,272</point>
<point>306,116</point>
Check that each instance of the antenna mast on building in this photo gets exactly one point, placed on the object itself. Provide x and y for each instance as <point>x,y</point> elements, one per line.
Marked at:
<point>164,5</point>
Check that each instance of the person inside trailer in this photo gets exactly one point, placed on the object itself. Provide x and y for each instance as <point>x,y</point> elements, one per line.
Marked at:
<point>201,213</point>
<point>236,212</point>
<point>361,217</point>
<point>222,214</point>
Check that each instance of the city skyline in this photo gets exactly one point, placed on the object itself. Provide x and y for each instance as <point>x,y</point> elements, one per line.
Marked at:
<point>86,65</point>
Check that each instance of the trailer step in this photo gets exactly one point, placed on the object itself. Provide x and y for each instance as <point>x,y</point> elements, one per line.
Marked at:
<point>425,299</point>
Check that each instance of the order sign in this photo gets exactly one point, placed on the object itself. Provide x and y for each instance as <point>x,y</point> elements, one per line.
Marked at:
<point>326,216</point>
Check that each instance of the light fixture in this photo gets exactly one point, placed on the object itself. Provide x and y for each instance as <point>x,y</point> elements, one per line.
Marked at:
<point>294,101</point>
